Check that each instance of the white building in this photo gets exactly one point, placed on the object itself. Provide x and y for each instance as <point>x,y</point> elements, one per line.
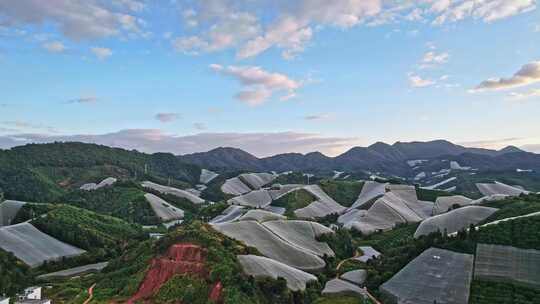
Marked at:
<point>32,295</point>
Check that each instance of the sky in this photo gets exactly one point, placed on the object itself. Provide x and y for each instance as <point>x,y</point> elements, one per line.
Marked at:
<point>269,76</point>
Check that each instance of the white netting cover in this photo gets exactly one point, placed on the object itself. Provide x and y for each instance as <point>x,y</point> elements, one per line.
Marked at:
<point>270,245</point>
<point>165,211</point>
<point>258,267</point>
<point>34,247</point>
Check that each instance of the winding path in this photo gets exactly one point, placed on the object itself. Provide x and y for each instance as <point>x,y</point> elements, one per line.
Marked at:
<point>90,294</point>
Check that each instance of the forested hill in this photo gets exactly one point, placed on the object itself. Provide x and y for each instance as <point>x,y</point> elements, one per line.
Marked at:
<point>43,172</point>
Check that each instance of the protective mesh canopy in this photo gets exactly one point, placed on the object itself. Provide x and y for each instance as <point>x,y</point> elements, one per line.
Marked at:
<point>75,271</point>
<point>207,176</point>
<point>234,186</point>
<point>165,211</point>
<point>282,190</point>
<point>8,211</point>
<point>341,287</point>
<point>368,253</point>
<point>254,199</point>
<point>454,220</point>
<point>232,213</point>
<point>261,216</point>
<point>264,267</point>
<point>444,203</point>
<point>257,180</point>
<point>109,181</point>
<point>388,211</point>
<point>503,263</point>
<point>370,190</point>
<point>323,206</point>
<point>357,277</point>
<point>302,234</point>
<point>34,247</point>
<point>173,191</point>
<point>499,188</point>
<point>270,245</point>
<point>436,276</point>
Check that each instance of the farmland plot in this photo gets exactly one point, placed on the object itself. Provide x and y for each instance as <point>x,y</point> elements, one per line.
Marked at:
<point>506,263</point>
<point>436,276</point>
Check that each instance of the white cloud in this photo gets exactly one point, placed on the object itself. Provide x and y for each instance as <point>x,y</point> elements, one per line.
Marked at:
<point>258,84</point>
<point>151,140</point>
<point>537,28</point>
<point>432,59</point>
<point>528,74</point>
<point>524,95</point>
<point>101,52</point>
<point>54,47</point>
<point>418,82</point>
<point>486,10</point>
<point>290,26</point>
<point>75,19</point>
<point>167,117</point>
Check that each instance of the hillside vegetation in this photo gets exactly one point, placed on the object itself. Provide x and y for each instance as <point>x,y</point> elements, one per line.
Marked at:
<point>44,172</point>
<point>101,235</point>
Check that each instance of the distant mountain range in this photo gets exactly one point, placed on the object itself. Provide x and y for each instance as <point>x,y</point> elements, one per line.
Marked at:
<point>377,157</point>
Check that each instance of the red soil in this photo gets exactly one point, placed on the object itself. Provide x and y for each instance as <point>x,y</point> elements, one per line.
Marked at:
<point>180,259</point>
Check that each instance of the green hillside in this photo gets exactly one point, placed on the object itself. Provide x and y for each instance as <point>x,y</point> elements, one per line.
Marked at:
<point>44,172</point>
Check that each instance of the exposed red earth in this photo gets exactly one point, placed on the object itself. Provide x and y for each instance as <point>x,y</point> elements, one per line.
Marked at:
<point>180,259</point>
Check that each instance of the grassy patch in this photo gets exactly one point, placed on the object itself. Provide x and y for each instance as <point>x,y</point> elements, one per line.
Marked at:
<point>294,200</point>
<point>343,192</point>
<point>502,293</point>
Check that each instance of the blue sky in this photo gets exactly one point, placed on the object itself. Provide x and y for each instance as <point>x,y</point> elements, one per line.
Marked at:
<point>269,76</point>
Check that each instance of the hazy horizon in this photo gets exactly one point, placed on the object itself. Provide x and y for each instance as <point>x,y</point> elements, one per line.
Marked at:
<point>183,146</point>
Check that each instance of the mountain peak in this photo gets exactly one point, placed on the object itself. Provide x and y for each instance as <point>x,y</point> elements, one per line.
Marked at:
<point>510,149</point>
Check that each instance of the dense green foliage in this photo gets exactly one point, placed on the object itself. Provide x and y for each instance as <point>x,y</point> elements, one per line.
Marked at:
<point>525,204</point>
<point>502,293</point>
<point>14,275</point>
<point>32,210</point>
<point>294,200</point>
<point>430,195</point>
<point>43,172</point>
<point>343,192</point>
<point>386,241</point>
<point>295,178</point>
<point>124,200</point>
<point>88,230</point>
<point>193,290</point>
<point>522,233</point>
<point>467,182</point>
